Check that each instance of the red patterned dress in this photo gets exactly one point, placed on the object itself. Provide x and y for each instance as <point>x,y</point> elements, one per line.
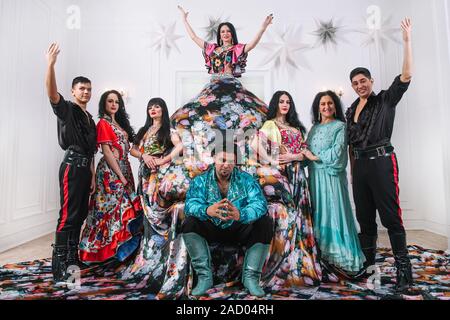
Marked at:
<point>115,216</point>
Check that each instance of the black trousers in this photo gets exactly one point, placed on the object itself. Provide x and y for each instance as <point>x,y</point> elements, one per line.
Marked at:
<point>375,187</point>
<point>259,231</point>
<point>74,184</point>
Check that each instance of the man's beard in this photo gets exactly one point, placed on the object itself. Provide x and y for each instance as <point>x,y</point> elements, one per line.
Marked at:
<point>224,175</point>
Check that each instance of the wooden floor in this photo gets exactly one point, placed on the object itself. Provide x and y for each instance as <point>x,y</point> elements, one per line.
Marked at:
<point>41,248</point>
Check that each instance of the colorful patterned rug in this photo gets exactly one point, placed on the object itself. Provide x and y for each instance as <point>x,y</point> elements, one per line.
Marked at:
<point>33,281</point>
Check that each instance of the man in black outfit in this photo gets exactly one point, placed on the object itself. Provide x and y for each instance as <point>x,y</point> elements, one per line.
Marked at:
<point>370,122</point>
<point>77,136</point>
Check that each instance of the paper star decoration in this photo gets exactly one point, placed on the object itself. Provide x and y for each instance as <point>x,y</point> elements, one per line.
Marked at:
<point>328,34</point>
<point>380,35</point>
<point>211,29</point>
<point>164,39</point>
<point>285,49</point>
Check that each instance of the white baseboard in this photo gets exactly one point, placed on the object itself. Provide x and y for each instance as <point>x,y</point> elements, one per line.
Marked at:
<point>19,238</point>
<point>419,224</point>
<point>439,228</point>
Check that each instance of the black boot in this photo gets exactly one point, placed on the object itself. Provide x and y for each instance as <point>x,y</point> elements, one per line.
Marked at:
<point>59,256</point>
<point>369,248</point>
<point>72,254</point>
<point>402,263</point>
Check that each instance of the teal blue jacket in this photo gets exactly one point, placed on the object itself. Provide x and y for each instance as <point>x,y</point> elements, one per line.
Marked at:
<point>244,192</point>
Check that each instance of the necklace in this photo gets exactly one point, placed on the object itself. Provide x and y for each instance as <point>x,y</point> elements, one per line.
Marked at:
<point>154,129</point>
<point>225,47</point>
<point>285,126</point>
<point>281,123</point>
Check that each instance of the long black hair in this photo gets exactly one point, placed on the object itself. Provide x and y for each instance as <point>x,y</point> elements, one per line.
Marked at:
<point>121,116</point>
<point>232,30</point>
<point>163,135</point>
<point>315,109</point>
<point>291,117</point>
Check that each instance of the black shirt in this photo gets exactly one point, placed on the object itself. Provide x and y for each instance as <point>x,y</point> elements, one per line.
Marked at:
<point>76,131</point>
<point>376,120</point>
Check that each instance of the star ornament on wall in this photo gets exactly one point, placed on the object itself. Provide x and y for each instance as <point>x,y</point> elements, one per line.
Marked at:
<point>329,33</point>
<point>164,39</point>
<point>380,34</point>
<point>285,50</point>
<point>211,28</point>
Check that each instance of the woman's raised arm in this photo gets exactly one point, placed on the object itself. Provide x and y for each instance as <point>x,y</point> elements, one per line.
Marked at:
<point>199,41</point>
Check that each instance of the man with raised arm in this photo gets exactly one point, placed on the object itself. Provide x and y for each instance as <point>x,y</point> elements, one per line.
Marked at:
<point>370,122</point>
<point>77,136</point>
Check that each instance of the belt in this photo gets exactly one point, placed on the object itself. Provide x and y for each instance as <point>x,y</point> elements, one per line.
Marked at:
<point>76,159</point>
<point>371,154</point>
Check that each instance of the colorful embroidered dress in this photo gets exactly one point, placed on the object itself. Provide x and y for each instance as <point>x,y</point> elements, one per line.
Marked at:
<point>334,226</point>
<point>223,104</point>
<point>160,266</point>
<point>293,253</point>
<point>114,219</point>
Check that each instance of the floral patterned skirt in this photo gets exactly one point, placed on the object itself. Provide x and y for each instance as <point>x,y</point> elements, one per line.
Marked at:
<point>223,105</point>
<point>114,220</point>
<point>161,265</point>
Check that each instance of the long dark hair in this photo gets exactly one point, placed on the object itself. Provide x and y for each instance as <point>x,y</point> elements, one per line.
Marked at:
<point>232,30</point>
<point>315,109</point>
<point>291,117</point>
<point>121,116</point>
<point>163,135</point>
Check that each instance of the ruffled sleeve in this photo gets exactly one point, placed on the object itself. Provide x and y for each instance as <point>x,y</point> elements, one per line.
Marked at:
<point>106,135</point>
<point>239,60</point>
<point>207,51</point>
<point>334,159</point>
<point>270,131</point>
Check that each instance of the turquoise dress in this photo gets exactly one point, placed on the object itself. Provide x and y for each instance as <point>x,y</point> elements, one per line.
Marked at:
<point>334,224</point>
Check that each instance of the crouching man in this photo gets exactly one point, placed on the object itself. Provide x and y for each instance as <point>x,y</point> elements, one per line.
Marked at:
<point>226,205</point>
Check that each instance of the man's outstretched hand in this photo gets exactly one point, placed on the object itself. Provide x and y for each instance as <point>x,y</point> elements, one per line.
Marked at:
<point>52,53</point>
<point>406,29</point>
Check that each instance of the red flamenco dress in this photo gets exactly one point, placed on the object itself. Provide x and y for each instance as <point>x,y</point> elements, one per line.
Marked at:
<point>113,225</point>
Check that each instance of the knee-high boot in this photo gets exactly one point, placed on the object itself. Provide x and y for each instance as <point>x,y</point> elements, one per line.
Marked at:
<point>201,262</point>
<point>59,256</point>
<point>72,249</point>
<point>253,264</point>
<point>402,262</point>
<point>369,248</point>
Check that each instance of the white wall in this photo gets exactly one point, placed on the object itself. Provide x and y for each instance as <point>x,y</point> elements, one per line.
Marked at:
<point>30,156</point>
<point>441,12</point>
<point>425,114</point>
<point>112,48</point>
